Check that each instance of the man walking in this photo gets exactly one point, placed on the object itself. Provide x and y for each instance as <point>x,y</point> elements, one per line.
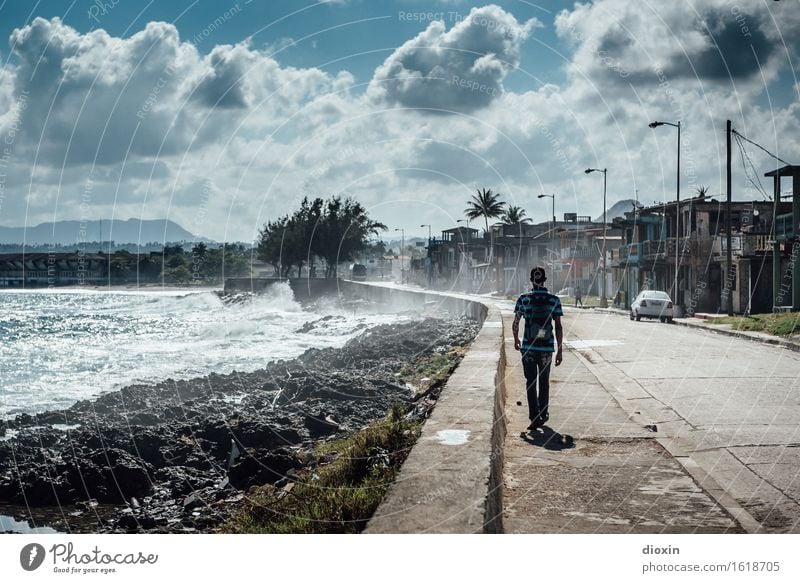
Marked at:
<point>578,296</point>
<point>541,310</point>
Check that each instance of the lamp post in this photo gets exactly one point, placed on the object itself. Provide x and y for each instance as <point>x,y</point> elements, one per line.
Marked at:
<point>553,231</point>
<point>656,124</point>
<point>402,246</point>
<point>603,297</point>
<point>429,231</point>
<point>430,258</point>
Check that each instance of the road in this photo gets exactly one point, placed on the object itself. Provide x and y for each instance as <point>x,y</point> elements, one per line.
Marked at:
<point>706,424</point>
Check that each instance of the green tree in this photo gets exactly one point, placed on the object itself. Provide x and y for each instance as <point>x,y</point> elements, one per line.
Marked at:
<point>515,215</point>
<point>332,230</point>
<point>344,231</point>
<point>199,250</point>
<point>485,204</point>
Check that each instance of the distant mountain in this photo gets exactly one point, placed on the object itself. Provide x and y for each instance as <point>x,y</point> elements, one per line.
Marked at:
<point>618,210</point>
<point>119,231</point>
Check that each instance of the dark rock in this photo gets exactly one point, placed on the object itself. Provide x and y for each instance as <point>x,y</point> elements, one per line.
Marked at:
<point>192,501</point>
<point>169,443</point>
<point>319,425</point>
<point>261,468</point>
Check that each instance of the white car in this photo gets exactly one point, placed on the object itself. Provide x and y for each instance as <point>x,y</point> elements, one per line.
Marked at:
<point>652,304</point>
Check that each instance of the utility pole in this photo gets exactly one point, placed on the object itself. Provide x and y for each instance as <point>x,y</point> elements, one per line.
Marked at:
<point>728,251</point>
<point>776,248</point>
<point>603,297</point>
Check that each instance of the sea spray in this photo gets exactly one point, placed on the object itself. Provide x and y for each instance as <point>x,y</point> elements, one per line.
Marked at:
<point>61,346</point>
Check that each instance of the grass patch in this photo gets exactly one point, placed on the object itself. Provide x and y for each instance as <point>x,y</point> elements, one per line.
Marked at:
<point>432,370</point>
<point>341,492</point>
<point>588,301</point>
<point>783,324</point>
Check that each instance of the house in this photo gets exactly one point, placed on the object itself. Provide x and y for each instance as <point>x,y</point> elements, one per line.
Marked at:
<point>786,241</point>
<point>458,260</point>
<point>651,252</point>
<point>52,269</point>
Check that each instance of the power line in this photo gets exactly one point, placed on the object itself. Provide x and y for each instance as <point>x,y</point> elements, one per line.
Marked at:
<point>760,147</point>
<point>759,187</point>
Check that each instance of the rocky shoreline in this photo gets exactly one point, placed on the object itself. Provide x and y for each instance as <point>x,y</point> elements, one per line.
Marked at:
<point>179,456</point>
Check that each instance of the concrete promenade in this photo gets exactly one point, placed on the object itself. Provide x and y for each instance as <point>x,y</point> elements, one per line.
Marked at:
<point>727,409</point>
<point>593,468</point>
<point>654,428</point>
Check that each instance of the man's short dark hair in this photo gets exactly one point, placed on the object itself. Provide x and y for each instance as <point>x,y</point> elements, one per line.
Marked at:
<point>538,275</point>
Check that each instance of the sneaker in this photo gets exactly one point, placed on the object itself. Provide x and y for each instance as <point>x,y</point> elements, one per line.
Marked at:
<point>533,426</point>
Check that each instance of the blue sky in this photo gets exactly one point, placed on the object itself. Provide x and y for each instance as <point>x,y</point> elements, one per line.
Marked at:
<point>332,33</point>
<point>194,109</point>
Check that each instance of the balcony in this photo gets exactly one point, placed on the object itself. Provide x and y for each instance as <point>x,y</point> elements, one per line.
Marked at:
<point>666,248</point>
<point>652,250</point>
<point>578,253</point>
<point>742,244</point>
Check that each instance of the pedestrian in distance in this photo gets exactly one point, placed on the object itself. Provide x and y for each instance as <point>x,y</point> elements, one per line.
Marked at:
<point>578,297</point>
<point>542,313</point>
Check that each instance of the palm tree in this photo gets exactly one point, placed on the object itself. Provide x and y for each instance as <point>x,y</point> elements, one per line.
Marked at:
<point>515,215</point>
<point>485,204</point>
<point>702,191</point>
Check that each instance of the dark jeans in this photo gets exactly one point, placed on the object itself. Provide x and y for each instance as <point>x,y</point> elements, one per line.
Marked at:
<point>536,366</point>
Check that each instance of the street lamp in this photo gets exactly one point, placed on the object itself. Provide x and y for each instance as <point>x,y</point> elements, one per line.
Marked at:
<point>655,124</point>
<point>429,258</point>
<point>553,232</point>
<point>402,245</point>
<point>603,298</point>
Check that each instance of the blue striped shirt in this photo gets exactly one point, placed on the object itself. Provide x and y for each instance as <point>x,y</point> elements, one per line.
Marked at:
<point>537,308</point>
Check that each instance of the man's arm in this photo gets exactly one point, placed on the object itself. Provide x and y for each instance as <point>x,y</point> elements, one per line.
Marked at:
<point>559,338</point>
<point>515,330</point>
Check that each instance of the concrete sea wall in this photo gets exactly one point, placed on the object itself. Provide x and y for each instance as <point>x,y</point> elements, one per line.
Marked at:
<point>451,481</point>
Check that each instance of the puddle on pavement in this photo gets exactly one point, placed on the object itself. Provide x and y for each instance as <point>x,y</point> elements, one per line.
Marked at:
<point>453,436</point>
<point>589,344</point>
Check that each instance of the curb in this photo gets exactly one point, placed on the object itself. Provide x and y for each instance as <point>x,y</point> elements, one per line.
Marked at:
<point>742,334</point>
<point>451,481</point>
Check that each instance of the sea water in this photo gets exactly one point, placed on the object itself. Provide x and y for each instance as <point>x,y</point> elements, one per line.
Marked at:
<point>60,346</point>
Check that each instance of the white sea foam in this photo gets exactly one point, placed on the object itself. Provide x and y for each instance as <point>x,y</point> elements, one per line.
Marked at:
<point>60,346</point>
